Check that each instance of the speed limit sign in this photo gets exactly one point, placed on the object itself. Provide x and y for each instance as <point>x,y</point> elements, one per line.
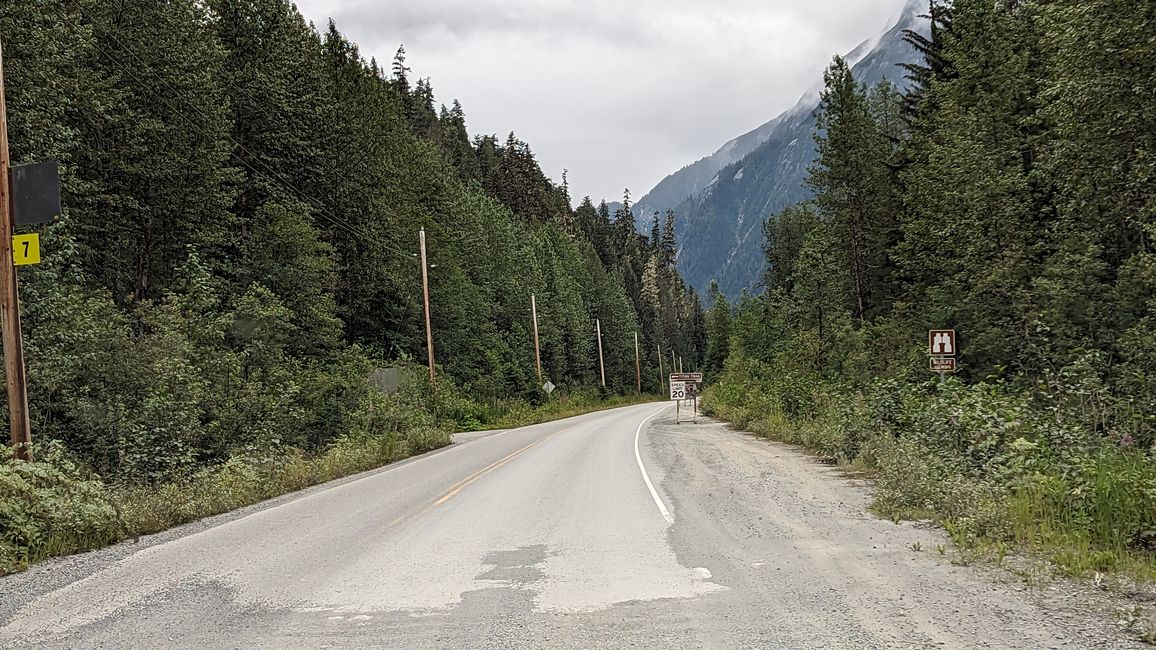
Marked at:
<point>678,390</point>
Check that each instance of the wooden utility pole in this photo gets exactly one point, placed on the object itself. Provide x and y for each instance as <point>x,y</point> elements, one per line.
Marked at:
<point>537,351</point>
<point>637,365</point>
<point>425,291</point>
<point>21,429</point>
<point>661,374</point>
<point>680,364</point>
<point>601,364</point>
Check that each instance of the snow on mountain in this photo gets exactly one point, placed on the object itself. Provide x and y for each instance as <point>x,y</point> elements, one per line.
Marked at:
<point>722,199</point>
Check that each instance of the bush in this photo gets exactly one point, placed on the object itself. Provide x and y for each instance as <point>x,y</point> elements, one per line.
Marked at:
<point>51,506</point>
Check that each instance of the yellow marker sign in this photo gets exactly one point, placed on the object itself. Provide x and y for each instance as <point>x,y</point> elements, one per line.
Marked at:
<point>26,249</point>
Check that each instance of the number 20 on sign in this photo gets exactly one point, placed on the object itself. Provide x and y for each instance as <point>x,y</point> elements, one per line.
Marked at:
<point>26,249</point>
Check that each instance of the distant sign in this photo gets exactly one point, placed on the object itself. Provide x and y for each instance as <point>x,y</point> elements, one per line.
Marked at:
<point>548,387</point>
<point>695,377</point>
<point>26,249</point>
<point>941,343</point>
<point>386,380</point>
<point>35,193</point>
<point>943,364</point>
<point>677,390</point>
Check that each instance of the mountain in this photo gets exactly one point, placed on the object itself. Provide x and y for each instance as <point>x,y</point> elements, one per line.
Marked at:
<point>721,200</point>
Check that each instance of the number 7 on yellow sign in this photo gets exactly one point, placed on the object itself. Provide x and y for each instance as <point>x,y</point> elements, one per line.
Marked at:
<point>26,249</point>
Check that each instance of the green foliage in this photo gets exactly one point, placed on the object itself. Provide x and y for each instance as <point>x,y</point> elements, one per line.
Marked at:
<point>853,187</point>
<point>242,195</point>
<point>51,506</point>
<point>718,330</point>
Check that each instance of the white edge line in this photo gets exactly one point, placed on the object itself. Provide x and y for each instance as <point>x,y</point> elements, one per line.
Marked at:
<point>637,456</point>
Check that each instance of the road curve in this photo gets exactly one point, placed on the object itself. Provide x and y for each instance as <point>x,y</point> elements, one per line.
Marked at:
<point>614,529</point>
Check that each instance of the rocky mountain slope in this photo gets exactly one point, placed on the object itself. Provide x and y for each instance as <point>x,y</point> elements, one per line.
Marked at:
<point>721,200</point>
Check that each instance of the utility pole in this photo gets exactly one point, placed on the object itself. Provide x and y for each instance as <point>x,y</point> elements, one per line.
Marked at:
<point>661,374</point>
<point>673,365</point>
<point>21,429</point>
<point>637,365</point>
<point>425,291</point>
<point>601,364</point>
<point>537,351</point>
<point>680,364</point>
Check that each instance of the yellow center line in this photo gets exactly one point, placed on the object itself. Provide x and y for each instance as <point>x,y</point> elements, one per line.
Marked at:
<point>461,485</point>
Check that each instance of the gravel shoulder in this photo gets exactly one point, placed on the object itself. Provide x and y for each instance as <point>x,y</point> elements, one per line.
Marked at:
<point>797,538</point>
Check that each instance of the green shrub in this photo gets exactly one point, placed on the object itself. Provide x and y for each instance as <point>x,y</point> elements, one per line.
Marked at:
<point>51,506</point>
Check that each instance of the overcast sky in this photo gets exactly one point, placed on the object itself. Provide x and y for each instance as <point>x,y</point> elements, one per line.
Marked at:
<point>619,92</point>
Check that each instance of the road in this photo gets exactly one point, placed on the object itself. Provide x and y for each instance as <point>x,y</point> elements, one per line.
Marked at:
<point>617,529</point>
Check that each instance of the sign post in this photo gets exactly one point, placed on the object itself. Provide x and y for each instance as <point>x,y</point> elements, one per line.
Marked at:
<point>942,349</point>
<point>692,393</point>
<point>677,394</point>
<point>684,386</point>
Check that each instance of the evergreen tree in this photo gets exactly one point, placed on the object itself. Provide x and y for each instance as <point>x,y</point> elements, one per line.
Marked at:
<point>935,67</point>
<point>156,171</point>
<point>976,208</point>
<point>853,185</point>
<point>718,331</point>
<point>784,236</point>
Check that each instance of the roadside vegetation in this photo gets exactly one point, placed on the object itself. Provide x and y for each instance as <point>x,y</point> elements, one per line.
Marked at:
<point>1010,194</point>
<point>242,194</point>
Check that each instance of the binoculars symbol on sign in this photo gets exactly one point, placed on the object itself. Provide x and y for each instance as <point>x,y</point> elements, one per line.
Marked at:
<point>942,343</point>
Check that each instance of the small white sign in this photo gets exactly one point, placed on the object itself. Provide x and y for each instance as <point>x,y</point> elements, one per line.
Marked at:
<point>678,390</point>
<point>548,387</point>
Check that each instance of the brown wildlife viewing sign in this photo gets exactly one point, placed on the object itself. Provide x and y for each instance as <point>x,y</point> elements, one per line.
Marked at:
<point>941,343</point>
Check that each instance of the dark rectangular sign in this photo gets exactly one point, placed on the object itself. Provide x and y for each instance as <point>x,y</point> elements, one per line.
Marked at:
<point>941,343</point>
<point>35,193</point>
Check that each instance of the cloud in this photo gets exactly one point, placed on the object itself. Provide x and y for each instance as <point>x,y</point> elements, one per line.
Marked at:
<point>447,21</point>
<point>620,92</point>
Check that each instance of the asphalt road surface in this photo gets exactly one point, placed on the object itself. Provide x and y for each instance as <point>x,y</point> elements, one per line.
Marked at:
<point>618,529</point>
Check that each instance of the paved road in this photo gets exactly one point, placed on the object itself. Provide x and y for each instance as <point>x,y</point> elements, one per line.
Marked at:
<point>615,529</point>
